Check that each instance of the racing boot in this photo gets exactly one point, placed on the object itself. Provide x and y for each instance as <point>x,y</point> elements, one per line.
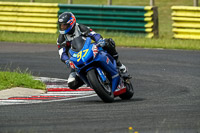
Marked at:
<point>71,77</point>
<point>123,70</point>
<point>74,81</point>
<point>121,67</point>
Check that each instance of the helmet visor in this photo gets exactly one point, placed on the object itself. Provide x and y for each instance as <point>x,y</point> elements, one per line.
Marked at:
<point>63,26</point>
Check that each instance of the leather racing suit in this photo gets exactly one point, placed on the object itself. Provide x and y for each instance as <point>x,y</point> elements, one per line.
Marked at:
<point>64,44</point>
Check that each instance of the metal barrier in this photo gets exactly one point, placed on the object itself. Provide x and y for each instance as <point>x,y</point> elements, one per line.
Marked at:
<point>186,22</point>
<point>28,17</point>
<point>134,19</point>
<point>42,17</point>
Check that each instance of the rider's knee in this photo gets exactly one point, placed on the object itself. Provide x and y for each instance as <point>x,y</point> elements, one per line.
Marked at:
<point>110,47</point>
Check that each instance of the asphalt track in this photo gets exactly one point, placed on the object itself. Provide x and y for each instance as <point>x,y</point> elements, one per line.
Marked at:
<point>166,100</point>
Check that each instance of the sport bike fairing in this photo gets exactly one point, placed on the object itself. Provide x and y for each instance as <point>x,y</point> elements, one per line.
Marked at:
<point>85,60</point>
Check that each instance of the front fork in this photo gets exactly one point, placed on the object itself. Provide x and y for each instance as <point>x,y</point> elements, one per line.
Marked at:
<point>102,75</point>
<point>115,81</point>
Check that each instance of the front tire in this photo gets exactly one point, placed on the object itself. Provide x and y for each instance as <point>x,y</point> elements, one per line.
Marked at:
<point>104,91</point>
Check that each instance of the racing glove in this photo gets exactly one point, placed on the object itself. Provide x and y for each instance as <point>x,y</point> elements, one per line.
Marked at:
<point>67,63</point>
<point>101,43</point>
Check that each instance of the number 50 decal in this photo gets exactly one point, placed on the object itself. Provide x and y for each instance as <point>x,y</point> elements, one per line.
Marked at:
<point>79,55</point>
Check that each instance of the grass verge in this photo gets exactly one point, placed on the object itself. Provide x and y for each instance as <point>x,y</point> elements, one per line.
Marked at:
<point>17,78</point>
<point>121,39</point>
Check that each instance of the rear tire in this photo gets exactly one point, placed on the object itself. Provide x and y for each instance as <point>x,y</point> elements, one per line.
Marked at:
<point>104,91</point>
<point>129,91</point>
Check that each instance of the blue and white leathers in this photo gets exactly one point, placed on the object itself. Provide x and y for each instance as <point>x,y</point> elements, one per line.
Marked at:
<point>87,58</point>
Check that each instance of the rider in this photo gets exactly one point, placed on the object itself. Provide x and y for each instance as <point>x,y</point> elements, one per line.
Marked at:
<point>69,30</point>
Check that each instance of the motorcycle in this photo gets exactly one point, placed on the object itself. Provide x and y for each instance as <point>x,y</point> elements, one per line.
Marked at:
<point>99,71</point>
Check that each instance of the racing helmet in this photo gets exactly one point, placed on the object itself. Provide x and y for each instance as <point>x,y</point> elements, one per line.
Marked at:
<point>66,22</point>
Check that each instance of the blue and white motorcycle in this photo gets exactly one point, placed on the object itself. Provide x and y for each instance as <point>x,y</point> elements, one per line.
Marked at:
<point>99,70</point>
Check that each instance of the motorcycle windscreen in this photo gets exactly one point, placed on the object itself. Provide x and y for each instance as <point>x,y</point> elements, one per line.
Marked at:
<point>78,43</point>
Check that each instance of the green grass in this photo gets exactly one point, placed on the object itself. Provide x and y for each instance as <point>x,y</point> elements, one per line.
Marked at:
<point>128,40</point>
<point>165,39</point>
<point>17,78</point>
<point>28,37</point>
<point>121,39</point>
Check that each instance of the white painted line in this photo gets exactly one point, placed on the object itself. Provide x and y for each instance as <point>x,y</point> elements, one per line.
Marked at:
<point>74,98</point>
<point>47,79</point>
<point>71,92</point>
<point>57,86</point>
<point>14,102</point>
<point>11,101</point>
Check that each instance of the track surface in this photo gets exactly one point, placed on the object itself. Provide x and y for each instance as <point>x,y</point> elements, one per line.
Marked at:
<point>167,94</point>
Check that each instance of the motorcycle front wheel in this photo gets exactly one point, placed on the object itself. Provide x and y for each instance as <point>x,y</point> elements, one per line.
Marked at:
<point>103,90</point>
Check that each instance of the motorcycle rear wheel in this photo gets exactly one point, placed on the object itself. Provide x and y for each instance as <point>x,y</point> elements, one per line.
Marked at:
<point>129,91</point>
<point>102,90</point>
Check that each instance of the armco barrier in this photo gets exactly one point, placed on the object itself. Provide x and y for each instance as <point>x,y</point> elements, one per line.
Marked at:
<point>186,22</point>
<point>134,19</point>
<point>42,17</point>
<point>28,17</point>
